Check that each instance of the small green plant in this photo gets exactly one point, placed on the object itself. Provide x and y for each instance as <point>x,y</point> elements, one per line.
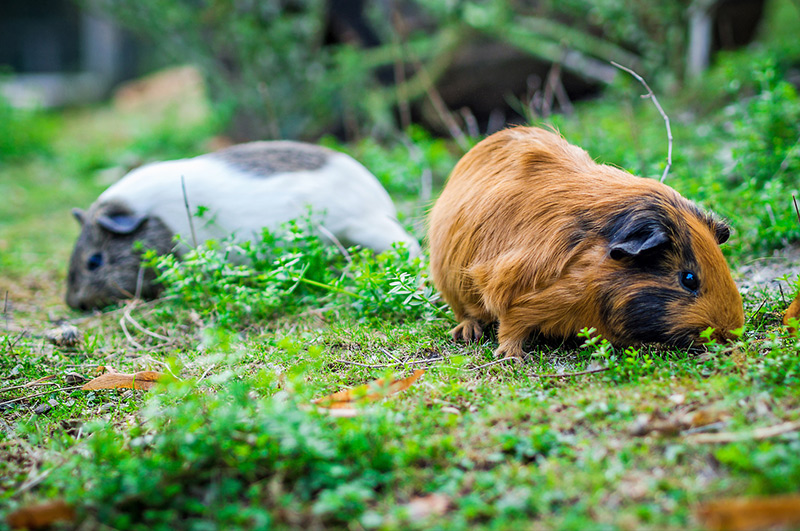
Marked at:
<point>255,463</point>
<point>625,366</point>
<point>293,269</point>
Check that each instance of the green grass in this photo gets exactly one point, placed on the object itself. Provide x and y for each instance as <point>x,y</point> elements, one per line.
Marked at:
<point>232,440</point>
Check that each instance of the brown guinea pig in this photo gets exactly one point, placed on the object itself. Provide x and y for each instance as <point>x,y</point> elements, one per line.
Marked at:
<point>531,232</point>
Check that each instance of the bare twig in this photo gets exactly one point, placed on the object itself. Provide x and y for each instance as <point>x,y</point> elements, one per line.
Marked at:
<point>660,110</point>
<point>386,365</point>
<point>20,398</point>
<point>205,372</point>
<point>426,179</point>
<point>398,42</point>
<point>328,234</point>
<point>794,198</point>
<point>5,305</point>
<point>471,122</point>
<point>142,329</point>
<point>757,434</point>
<point>571,374</point>
<point>139,283</point>
<point>128,335</point>
<point>188,211</point>
<point>35,383</point>
<point>440,106</point>
<point>495,362</point>
<point>395,358</point>
<point>166,366</point>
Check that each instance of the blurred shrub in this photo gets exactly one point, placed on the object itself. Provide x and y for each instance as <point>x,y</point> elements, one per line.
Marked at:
<point>263,60</point>
<point>269,64</point>
<point>24,132</point>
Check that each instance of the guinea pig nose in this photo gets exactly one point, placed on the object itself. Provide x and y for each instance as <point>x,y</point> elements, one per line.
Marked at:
<point>723,336</point>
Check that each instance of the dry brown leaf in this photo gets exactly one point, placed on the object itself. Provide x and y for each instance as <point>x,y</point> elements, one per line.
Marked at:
<point>40,515</point>
<point>422,507</point>
<point>741,514</point>
<point>677,422</point>
<point>793,311</point>
<point>370,392</point>
<point>120,380</point>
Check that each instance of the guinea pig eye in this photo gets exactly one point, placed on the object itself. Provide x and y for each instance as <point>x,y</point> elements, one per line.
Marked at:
<point>95,261</point>
<point>690,281</point>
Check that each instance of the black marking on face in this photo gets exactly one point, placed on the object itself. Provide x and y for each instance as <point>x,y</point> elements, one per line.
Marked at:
<point>644,318</point>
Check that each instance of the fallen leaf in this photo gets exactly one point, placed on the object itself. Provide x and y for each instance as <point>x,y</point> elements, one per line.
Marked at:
<point>678,421</point>
<point>370,392</point>
<point>120,380</point>
<point>422,507</point>
<point>40,380</point>
<point>40,515</point>
<point>741,514</point>
<point>793,311</point>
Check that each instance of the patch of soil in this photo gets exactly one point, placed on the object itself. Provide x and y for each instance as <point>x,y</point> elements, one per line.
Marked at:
<point>765,272</point>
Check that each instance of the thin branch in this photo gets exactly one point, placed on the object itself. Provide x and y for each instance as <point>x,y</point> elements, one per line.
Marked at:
<point>128,334</point>
<point>188,211</point>
<point>660,110</point>
<point>495,362</point>
<point>386,365</point>
<point>796,209</point>
<point>328,234</point>
<point>205,373</point>
<point>395,358</point>
<point>571,374</point>
<point>757,434</point>
<point>127,315</point>
<point>5,305</point>
<point>398,45</point>
<point>139,283</point>
<point>20,398</point>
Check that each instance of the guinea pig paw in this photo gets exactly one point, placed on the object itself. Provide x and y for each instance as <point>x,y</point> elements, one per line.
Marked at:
<point>467,330</point>
<point>510,350</point>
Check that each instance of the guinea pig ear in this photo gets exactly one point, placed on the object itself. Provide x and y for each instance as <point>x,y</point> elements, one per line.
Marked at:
<point>80,215</point>
<point>120,223</point>
<point>637,242</point>
<point>721,231</point>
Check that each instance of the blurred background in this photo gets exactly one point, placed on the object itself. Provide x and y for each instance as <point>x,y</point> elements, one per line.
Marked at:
<point>305,68</point>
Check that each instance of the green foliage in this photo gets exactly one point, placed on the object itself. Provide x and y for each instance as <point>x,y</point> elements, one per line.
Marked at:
<point>627,365</point>
<point>264,61</point>
<point>24,132</point>
<point>253,463</point>
<point>271,67</point>
<point>766,129</point>
<point>766,151</point>
<point>773,466</point>
<point>293,269</point>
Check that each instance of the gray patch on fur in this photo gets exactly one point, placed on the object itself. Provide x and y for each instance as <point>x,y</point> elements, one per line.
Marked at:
<point>268,158</point>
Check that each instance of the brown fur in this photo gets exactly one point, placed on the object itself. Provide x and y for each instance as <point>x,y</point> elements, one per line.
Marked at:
<point>522,234</point>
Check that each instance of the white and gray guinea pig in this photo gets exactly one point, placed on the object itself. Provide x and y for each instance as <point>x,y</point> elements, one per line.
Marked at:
<point>244,188</point>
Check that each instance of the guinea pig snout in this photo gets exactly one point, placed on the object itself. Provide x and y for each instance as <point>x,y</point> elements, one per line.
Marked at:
<point>723,336</point>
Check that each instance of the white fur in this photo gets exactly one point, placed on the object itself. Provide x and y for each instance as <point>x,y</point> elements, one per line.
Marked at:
<point>352,204</point>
